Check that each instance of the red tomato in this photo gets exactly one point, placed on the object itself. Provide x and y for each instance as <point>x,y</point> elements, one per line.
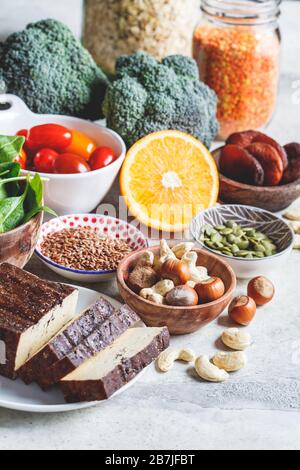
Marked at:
<point>67,163</point>
<point>81,145</point>
<point>22,159</point>
<point>103,156</point>
<point>44,160</point>
<point>23,133</point>
<point>51,136</point>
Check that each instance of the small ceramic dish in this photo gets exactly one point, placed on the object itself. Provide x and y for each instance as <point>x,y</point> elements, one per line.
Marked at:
<point>273,198</point>
<point>74,193</point>
<point>179,320</point>
<point>106,226</point>
<point>246,216</point>
<point>17,246</point>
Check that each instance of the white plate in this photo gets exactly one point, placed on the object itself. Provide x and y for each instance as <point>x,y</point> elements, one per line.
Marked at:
<point>15,395</point>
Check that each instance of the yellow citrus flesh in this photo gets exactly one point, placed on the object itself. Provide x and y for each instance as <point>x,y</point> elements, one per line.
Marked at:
<point>167,178</point>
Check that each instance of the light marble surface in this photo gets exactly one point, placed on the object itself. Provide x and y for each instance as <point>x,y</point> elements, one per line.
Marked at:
<point>259,408</point>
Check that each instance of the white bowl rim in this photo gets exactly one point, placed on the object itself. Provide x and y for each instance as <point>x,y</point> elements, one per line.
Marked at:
<point>236,258</point>
<point>78,271</point>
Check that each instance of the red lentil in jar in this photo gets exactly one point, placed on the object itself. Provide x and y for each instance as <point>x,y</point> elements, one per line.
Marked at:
<point>237,48</point>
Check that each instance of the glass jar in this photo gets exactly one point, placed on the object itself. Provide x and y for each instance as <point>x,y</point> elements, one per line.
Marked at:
<point>159,27</point>
<point>237,47</point>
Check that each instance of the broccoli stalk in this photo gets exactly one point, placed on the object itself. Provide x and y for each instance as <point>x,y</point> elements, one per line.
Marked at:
<point>149,96</point>
<point>50,70</point>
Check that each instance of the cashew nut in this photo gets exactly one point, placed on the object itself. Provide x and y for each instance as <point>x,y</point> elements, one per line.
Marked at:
<point>198,273</point>
<point>295,226</point>
<point>182,248</point>
<point>297,242</point>
<point>208,371</point>
<point>236,339</point>
<point>146,259</point>
<point>165,254</point>
<point>167,358</point>
<point>293,214</point>
<point>230,361</point>
<point>157,293</point>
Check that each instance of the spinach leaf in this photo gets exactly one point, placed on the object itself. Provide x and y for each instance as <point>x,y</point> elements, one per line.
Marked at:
<point>34,199</point>
<point>11,213</point>
<point>7,171</point>
<point>10,147</point>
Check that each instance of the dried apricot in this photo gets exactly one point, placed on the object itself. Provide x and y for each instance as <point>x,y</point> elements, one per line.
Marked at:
<point>292,173</point>
<point>270,160</point>
<point>243,139</point>
<point>236,163</point>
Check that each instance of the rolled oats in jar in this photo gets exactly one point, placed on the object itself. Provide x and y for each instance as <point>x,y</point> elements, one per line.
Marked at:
<point>237,47</point>
<point>159,27</point>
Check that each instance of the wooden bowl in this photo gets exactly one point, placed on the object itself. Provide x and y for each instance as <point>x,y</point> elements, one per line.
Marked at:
<point>273,199</point>
<point>17,246</point>
<point>179,320</point>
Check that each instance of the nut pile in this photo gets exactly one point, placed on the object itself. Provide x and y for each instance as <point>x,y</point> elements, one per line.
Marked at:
<point>84,249</point>
<point>242,310</point>
<point>159,27</point>
<point>254,158</point>
<point>173,277</point>
<point>242,67</point>
<point>242,242</point>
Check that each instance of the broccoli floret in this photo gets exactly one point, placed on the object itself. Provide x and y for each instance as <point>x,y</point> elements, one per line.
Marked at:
<point>50,70</point>
<point>149,96</point>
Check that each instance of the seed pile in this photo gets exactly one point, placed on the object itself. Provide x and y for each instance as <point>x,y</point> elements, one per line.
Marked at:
<point>242,242</point>
<point>84,249</point>
<point>242,67</point>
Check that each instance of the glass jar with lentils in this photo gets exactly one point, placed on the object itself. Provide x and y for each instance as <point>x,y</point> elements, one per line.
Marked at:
<point>237,47</point>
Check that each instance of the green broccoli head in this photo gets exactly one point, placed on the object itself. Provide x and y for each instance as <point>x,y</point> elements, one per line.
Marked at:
<point>49,69</point>
<point>149,96</point>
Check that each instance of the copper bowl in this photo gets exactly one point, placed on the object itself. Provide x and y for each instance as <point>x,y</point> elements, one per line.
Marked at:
<point>17,246</point>
<point>179,320</point>
<point>270,198</point>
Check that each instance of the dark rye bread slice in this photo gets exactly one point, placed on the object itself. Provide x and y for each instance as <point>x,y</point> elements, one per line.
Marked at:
<point>66,340</point>
<point>104,374</point>
<point>104,335</point>
<point>32,311</point>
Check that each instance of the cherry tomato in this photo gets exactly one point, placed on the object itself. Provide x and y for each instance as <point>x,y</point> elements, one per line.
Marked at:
<point>81,145</point>
<point>67,163</point>
<point>22,159</point>
<point>24,133</point>
<point>44,160</point>
<point>51,136</point>
<point>103,156</point>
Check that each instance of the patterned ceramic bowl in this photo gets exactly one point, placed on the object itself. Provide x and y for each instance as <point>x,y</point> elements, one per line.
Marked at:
<point>106,226</point>
<point>246,216</point>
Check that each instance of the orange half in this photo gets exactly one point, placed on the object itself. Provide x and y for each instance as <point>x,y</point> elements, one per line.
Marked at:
<point>167,178</point>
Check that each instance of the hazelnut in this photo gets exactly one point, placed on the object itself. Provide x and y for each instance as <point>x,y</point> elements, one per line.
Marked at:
<point>142,277</point>
<point>175,270</point>
<point>182,296</point>
<point>261,290</point>
<point>210,290</point>
<point>242,310</point>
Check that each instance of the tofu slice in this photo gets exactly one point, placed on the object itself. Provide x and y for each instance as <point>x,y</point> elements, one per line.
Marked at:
<point>104,335</point>
<point>108,371</point>
<point>32,311</point>
<point>66,340</point>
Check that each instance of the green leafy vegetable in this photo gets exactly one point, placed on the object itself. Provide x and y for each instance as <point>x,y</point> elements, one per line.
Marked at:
<point>10,147</point>
<point>19,202</point>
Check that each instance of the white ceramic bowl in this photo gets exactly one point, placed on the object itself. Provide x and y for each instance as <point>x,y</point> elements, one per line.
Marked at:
<point>248,216</point>
<point>76,193</point>
<point>104,225</point>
